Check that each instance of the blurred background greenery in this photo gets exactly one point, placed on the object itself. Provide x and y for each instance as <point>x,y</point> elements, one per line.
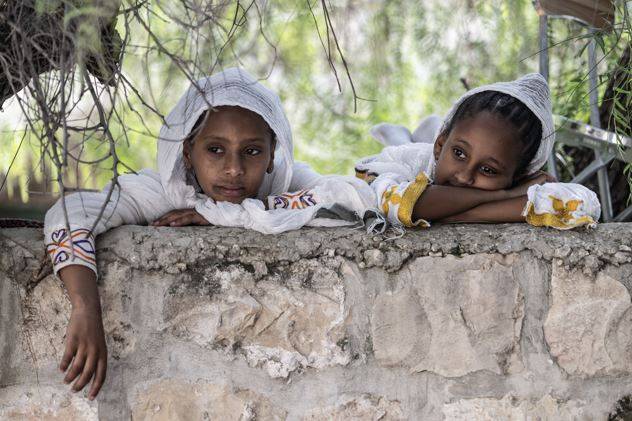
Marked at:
<point>407,59</point>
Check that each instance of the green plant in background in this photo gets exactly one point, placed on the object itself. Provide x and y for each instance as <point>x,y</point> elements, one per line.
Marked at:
<point>621,111</point>
<point>571,92</point>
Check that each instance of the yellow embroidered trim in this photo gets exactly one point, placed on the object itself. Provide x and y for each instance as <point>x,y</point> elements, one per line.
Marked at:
<point>390,197</point>
<point>562,217</point>
<point>412,193</point>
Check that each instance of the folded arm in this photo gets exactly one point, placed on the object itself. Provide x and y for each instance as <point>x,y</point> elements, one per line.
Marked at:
<point>414,203</point>
<point>441,202</point>
<point>508,210</point>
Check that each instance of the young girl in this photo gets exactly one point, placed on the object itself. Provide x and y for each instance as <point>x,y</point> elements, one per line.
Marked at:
<point>483,166</point>
<point>223,154</point>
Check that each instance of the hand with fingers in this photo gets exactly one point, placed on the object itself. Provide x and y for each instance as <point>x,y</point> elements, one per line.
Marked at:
<point>85,355</point>
<point>540,177</point>
<point>180,218</point>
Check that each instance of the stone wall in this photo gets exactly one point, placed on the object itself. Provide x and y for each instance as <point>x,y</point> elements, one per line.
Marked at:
<point>459,322</point>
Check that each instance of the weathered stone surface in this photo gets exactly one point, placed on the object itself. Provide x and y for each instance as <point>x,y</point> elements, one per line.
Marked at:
<point>401,331</point>
<point>451,316</point>
<point>44,403</point>
<point>446,323</point>
<point>280,327</point>
<point>46,314</point>
<point>511,408</point>
<point>589,324</point>
<point>172,400</point>
<point>364,407</point>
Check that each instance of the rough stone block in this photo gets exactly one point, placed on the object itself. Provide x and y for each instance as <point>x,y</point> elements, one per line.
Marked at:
<point>451,316</point>
<point>511,408</point>
<point>364,407</point>
<point>473,322</point>
<point>589,324</point>
<point>173,399</point>
<point>45,403</point>
<point>280,327</point>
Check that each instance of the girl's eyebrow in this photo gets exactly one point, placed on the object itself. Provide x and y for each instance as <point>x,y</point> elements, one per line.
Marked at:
<point>463,142</point>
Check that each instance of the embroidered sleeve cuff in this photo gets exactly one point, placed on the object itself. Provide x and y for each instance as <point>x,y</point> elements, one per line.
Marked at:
<point>297,200</point>
<point>76,249</point>
<point>562,206</point>
<point>397,201</point>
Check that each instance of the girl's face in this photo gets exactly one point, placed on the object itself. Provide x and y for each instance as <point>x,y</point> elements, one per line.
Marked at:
<point>231,154</point>
<point>480,152</point>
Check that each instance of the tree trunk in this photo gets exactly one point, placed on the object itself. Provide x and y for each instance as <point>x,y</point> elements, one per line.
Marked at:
<point>34,42</point>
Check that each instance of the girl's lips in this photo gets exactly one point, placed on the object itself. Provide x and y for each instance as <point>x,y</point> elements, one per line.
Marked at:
<point>230,191</point>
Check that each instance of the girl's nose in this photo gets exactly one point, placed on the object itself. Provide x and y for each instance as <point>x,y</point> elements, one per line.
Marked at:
<point>464,178</point>
<point>233,166</point>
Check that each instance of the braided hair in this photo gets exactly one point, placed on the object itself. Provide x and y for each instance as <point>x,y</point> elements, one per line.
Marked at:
<point>528,126</point>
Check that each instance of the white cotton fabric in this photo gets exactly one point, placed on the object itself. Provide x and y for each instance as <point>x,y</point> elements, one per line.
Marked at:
<point>402,162</point>
<point>144,197</point>
<point>542,198</point>
<point>394,135</point>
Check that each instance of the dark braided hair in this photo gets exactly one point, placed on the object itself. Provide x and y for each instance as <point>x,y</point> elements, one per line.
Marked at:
<point>528,126</point>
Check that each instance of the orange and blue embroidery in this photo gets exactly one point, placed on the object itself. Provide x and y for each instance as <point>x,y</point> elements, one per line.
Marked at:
<point>80,244</point>
<point>299,200</point>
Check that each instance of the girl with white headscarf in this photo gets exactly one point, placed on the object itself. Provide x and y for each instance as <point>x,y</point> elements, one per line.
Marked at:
<point>225,157</point>
<point>480,165</point>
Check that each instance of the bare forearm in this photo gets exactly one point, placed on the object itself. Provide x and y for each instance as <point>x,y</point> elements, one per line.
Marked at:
<point>508,210</point>
<point>81,284</point>
<point>85,352</point>
<point>439,202</point>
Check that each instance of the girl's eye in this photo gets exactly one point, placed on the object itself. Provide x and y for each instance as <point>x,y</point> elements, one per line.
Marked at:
<point>215,149</point>
<point>488,170</point>
<point>253,151</point>
<point>458,153</point>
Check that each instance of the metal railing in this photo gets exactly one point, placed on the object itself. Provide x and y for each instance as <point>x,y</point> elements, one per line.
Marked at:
<point>607,146</point>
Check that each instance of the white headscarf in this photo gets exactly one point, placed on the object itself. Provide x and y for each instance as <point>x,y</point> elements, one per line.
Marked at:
<point>231,87</point>
<point>533,91</point>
